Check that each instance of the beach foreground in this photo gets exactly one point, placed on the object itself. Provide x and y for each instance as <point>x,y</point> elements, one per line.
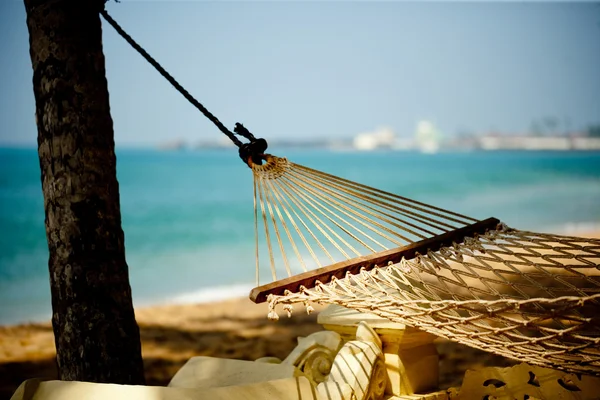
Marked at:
<point>237,328</point>
<point>171,334</point>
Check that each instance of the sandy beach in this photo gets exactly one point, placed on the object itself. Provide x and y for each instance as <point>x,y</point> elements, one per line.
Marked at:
<point>171,334</point>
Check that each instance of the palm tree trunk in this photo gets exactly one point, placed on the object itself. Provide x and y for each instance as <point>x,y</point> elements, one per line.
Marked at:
<point>96,335</point>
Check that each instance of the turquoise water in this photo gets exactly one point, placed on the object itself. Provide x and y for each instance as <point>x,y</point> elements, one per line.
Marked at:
<point>188,216</point>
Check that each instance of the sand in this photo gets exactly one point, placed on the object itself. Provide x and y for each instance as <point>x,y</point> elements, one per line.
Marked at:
<point>171,334</point>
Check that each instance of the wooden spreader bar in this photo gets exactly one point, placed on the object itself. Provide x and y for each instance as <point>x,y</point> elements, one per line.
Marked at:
<point>259,294</point>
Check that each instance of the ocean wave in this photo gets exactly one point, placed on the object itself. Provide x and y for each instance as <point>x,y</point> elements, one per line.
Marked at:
<point>211,294</point>
<point>579,228</point>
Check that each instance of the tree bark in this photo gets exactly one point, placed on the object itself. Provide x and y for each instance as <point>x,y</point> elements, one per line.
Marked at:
<point>97,338</point>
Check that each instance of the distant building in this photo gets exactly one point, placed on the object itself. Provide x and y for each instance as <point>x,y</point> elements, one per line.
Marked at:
<point>585,143</point>
<point>173,145</point>
<point>524,143</point>
<point>427,137</point>
<point>520,142</point>
<point>380,138</point>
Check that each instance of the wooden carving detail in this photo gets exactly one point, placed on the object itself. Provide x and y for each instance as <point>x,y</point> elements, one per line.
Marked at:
<point>317,364</point>
<point>526,381</point>
<point>359,364</point>
<point>379,378</point>
<point>314,354</point>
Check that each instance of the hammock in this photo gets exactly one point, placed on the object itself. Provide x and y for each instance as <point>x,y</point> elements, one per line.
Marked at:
<point>527,296</point>
<point>523,295</point>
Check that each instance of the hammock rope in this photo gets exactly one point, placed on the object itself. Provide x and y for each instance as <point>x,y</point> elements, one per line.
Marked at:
<point>333,219</point>
<point>523,295</point>
<point>253,149</point>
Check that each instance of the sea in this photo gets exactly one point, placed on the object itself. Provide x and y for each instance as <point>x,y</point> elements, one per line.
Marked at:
<point>188,215</point>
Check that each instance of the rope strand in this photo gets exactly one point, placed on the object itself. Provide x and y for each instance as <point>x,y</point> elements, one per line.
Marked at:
<point>170,78</point>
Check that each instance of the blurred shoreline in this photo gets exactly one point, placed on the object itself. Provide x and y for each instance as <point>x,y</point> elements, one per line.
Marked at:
<point>426,139</point>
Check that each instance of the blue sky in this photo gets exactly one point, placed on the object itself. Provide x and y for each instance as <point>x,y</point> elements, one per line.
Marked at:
<point>304,70</point>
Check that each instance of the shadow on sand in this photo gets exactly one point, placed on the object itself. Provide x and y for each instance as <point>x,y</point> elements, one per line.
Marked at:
<point>167,348</point>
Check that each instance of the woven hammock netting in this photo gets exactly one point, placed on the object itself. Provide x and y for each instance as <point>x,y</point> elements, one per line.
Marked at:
<point>528,296</point>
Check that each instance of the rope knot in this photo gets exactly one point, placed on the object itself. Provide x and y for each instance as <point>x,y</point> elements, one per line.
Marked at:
<point>252,151</point>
